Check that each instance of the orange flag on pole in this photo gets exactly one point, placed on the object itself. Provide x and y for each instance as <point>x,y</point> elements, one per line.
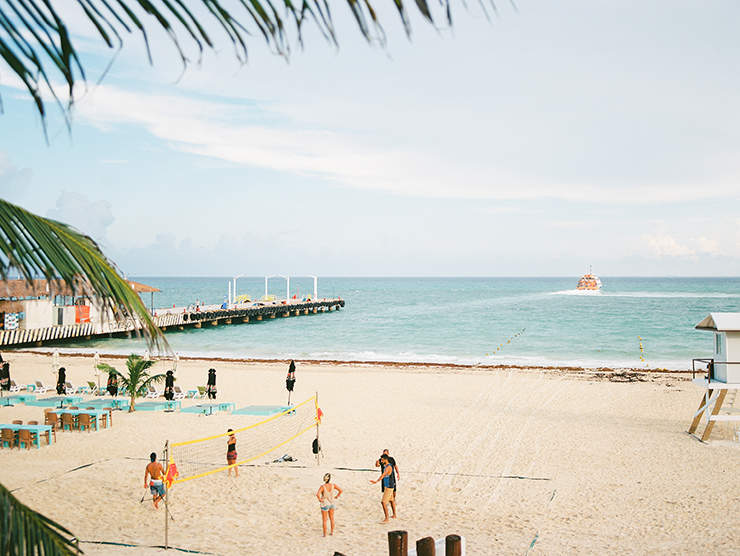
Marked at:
<point>172,474</point>
<point>319,414</point>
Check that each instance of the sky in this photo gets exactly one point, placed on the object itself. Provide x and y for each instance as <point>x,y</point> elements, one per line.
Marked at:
<point>538,140</point>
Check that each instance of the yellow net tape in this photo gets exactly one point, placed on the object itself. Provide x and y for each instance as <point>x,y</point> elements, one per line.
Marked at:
<point>204,456</point>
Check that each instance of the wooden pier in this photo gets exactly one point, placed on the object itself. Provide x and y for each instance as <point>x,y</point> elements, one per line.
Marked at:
<point>171,320</point>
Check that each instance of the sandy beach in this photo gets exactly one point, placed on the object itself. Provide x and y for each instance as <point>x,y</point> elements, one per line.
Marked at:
<point>518,461</point>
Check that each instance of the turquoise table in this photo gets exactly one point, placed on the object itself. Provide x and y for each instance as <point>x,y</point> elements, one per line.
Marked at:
<point>56,401</point>
<point>152,406</point>
<point>98,413</point>
<point>207,408</point>
<point>17,398</point>
<point>107,403</point>
<point>36,429</point>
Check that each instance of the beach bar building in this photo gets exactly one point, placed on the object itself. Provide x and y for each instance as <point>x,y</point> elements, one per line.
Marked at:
<point>721,379</point>
<point>44,311</point>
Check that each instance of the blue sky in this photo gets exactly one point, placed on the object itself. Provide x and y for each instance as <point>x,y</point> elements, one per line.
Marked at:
<point>551,137</point>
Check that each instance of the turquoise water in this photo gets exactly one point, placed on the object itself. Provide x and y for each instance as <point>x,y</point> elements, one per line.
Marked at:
<point>539,321</point>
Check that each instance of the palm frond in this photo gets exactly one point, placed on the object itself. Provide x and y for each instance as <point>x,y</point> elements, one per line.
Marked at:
<point>36,246</point>
<point>24,531</point>
<point>33,35</point>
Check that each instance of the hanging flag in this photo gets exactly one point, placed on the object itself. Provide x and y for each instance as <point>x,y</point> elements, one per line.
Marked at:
<point>172,474</point>
<point>319,414</point>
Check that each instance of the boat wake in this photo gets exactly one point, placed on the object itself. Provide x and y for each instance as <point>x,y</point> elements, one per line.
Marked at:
<point>578,292</point>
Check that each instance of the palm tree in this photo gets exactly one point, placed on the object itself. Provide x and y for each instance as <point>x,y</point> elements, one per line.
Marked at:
<point>37,46</point>
<point>138,380</point>
<point>35,246</point>
<point>24,531</point>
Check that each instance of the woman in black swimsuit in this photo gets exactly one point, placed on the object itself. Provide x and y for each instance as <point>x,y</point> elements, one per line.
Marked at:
<point>231,454</point>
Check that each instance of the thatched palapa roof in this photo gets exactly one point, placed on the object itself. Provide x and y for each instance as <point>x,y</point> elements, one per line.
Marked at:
<point>141,288</point>
<point>21,289</point>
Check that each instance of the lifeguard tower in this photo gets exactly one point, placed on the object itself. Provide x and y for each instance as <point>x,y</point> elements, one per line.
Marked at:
<point>722,373</point>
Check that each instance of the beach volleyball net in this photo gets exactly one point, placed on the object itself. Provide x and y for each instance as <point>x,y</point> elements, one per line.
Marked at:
<point>198,458</point>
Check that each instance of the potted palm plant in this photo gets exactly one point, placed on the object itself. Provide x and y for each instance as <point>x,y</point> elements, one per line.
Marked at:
<point>138,380</point>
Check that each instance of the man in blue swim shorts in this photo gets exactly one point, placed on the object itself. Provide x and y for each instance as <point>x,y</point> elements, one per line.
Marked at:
<point>156,485</point>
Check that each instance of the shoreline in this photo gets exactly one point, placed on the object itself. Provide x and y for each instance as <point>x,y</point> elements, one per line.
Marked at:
<point>383,364</point>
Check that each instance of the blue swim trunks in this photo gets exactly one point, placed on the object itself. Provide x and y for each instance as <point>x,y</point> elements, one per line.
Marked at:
<point>156,487</point>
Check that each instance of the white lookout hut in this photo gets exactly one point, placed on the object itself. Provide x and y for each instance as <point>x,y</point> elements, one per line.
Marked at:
<point>726,328</point>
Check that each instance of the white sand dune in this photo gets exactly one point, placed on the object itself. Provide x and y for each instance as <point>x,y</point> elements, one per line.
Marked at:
<point>581,463</point>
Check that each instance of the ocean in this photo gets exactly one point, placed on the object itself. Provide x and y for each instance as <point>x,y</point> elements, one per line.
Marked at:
<point>644,323</point>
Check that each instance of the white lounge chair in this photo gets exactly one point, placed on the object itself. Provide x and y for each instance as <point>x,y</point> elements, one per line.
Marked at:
<point>15,387</point>
<point>70,389</point>
<point>41,389</point>
<point>178,393</point>
<point>153,392</point>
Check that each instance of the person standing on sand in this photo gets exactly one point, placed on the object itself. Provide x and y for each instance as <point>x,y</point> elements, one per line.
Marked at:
<point>396,477</point>
<point>326,498</point>
<point>231,453</point>
<point>388,485</point>
<point>156,486</point>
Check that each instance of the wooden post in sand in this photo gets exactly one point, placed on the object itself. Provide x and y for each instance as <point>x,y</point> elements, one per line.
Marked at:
<point>453,545</point>
<point>398,543</point>
<point>425,547</point>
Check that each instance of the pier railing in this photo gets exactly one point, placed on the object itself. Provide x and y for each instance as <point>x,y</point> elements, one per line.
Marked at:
<point>166,322</point>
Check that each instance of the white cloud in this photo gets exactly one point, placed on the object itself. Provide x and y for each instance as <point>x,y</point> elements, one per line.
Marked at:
<point>90,217</point>
<point>351,158</point>
<point>12,178</point>
<point>708,246</point>
<point>664,246</point>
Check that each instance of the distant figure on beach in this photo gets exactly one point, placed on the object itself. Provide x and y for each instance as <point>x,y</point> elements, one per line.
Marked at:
<point>389,484</point>
<point>392,463</point>
<point>169,386</point>
<point>231,453</point>
<point>61,379</point>
<point>112,385</point>
<point>156,485</point>
<point>211,385</point>
<point>326,498</point>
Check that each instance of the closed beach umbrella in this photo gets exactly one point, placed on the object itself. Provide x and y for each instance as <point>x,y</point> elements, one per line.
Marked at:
<point>96,371</point>
<point>5,375</point>
<point>61,379</point>
<point>211,385</point>
<point>112,386</point>
<point>290,381</point>
<point>55,362</point>
<point>175,362</point>
<point>169,386</point>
